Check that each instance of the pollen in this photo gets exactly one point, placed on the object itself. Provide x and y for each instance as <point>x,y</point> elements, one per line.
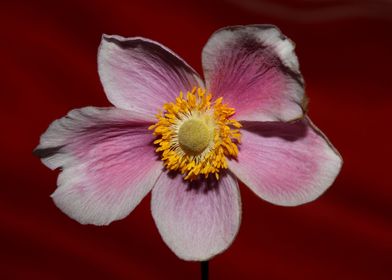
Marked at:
<point>195,135</point>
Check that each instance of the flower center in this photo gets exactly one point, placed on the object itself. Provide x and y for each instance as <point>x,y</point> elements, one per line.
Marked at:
<point>195,136</point>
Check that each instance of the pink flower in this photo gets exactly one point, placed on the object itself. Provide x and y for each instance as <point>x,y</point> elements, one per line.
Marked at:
<point>174,135</point>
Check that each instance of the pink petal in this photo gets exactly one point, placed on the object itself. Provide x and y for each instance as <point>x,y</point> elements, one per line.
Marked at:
<point>286,164</point>
<point>197,221</point>
<point>255,70</point>
<point>141,75</point>
<point>107,160</point>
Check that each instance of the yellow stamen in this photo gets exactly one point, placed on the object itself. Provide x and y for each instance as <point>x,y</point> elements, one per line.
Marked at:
<point>195,135</point>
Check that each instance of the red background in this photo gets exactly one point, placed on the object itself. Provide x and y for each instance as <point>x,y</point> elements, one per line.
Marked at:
<point>48,66</point>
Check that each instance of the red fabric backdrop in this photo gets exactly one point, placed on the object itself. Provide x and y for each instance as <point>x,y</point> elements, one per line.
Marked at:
<point>48,66</point>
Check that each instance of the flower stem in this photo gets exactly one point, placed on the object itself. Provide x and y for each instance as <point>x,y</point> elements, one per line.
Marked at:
<point>204,270</point>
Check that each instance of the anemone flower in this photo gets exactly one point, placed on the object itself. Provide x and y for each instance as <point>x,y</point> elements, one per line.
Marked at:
<point>189,141</point>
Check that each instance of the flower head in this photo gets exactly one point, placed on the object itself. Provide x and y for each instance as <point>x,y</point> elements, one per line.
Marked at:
<point>195,136</point>
<point>189,141</point>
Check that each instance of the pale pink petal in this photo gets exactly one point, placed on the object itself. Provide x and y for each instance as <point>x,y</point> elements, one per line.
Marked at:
<point>286,163</point>
<point>255,70</point>
<point>196,220</point>
<point>107,159</point>
<point>141,75</point>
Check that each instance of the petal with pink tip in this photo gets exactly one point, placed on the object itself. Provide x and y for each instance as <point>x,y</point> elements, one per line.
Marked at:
<point>196,220</point>
<point>141,75</point>
<point>286,163</point>
<point>255,70</point>
<point>107,159</point>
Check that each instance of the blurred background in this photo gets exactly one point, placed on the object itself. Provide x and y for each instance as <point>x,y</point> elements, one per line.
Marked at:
<point>48,66</point>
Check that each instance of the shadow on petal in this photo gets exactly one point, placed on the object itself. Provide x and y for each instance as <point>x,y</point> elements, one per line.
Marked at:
<point>289,131</point>
<point>201,185</point>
